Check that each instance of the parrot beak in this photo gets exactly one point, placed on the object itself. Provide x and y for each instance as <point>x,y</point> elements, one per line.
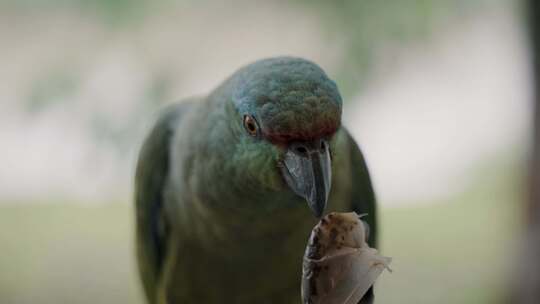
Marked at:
<point>308,172</point>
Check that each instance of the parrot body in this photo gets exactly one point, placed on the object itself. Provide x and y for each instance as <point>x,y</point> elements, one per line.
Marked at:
<point>221,209</point>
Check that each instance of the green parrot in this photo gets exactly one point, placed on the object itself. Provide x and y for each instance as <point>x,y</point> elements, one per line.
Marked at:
<point>228,186</point>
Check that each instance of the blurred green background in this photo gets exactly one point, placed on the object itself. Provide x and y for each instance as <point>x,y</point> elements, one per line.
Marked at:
<point>437,93</point>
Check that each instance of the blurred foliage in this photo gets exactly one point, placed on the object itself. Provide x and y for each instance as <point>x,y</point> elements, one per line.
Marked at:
<point>112,11</point>
<point>51,87</point>
<point>67,254</point>
<point>370,25</point>
<point>460,250</point>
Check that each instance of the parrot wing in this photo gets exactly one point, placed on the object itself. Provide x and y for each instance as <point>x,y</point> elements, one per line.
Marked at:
<point>150,179</point>
<point>363,198</point>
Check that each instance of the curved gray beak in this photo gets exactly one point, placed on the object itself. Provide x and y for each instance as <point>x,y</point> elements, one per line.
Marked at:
<point>308,172</point>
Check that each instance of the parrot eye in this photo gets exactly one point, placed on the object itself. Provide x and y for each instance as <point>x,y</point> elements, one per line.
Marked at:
<point>251,125</point>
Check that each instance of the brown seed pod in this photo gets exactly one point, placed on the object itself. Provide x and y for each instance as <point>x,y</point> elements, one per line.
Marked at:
<point>339,266</point>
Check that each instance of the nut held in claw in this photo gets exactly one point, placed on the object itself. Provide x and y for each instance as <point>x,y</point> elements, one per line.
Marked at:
<point>339,266</point>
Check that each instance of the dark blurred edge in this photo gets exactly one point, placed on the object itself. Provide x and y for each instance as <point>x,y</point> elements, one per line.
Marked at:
<point>526,282</point>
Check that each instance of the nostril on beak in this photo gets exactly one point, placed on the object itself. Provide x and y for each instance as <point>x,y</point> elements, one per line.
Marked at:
<point>304,149</point>
<point>301,150</point>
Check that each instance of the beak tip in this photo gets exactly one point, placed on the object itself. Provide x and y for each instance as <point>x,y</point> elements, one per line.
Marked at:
<point>309,174</point>
<point>318,209</point>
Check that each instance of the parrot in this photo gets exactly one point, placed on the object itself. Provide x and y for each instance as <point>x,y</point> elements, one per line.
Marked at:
<point>229,185</point>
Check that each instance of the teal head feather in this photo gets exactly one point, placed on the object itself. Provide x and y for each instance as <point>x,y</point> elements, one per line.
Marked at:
<point>292,99</point>
<point>282,113</point>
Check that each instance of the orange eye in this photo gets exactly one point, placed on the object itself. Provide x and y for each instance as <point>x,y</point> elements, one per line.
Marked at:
<point>251,125</point>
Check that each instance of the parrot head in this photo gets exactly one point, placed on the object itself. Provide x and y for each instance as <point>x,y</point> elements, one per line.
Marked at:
<point>291,106</point>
